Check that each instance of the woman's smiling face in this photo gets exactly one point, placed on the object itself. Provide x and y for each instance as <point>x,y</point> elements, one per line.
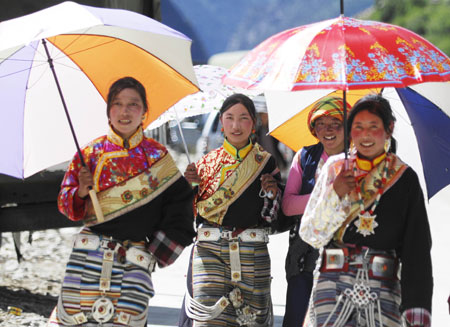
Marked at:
<point>330,132</point>
<point>237,125</point>
<point>126,112</point>
<point>368,134</point>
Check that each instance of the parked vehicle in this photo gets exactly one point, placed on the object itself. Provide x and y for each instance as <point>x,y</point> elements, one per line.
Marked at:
<point>192,129</point>
<point>211,136</point>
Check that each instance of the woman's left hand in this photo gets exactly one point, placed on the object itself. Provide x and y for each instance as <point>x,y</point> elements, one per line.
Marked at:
<point>269,184</point>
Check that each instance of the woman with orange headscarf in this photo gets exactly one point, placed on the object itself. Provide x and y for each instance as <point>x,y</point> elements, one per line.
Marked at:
<point>367,212</point>
<point>325,121</point>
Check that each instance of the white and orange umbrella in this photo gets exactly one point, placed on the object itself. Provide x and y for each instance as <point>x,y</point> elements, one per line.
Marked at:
<point>89,49</point>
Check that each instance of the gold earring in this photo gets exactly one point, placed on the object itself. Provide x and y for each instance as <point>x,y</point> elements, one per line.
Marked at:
<point>352,147</point>
<point>387,145</point>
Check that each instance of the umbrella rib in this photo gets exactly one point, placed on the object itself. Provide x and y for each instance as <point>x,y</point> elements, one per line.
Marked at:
<point>41,63</point>
<point>29,86</point>
<point>80,51</point>
<point>22,70</point>
<point>73,41</point>
<point>55,59</point>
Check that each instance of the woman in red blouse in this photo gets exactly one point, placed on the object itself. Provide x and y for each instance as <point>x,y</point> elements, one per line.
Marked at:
<point>147,218</point>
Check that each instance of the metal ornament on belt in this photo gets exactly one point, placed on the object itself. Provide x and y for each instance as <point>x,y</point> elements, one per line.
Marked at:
<point>359,299</point>
<point>102,310</point>
<point>246,316</point>
<point>235,262</point>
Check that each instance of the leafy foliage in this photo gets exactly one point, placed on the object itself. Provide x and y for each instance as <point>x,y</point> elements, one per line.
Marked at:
<point>428,18</point>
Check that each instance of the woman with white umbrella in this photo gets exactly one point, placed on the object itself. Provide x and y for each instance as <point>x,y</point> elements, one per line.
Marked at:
<point>146,204</point>
<point>368,213</point>
<point>237,205</point>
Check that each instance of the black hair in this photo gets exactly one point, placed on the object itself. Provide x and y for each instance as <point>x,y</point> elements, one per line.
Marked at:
<point>379,106</point>
<point>126,83</point>
<point>242,99</point>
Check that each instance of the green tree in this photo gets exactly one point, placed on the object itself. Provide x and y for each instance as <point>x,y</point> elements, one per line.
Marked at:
<point>428,18</point>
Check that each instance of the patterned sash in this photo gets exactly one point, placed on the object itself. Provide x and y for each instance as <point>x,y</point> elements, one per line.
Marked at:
<point>215,207</point>
<point>135,192</point>
<point>369,190</point>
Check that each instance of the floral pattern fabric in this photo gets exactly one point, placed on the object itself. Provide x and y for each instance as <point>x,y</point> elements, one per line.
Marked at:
<point>342,53</point>
<point>111,164</point>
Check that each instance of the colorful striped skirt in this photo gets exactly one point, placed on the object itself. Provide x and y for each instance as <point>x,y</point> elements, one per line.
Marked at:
<point>328,287</point>
<point>211,279</point>
<point>130,290</point>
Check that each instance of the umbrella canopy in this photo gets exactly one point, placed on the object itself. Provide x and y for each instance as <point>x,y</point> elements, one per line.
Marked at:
<point>210,97</point>
<point>349,54</point>
<point>342,53</point>
<point>422,129</point>
<point>90,48</point>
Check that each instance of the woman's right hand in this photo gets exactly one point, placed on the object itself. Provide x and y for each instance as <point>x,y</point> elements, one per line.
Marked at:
<point>191,174</point>
<point>344,183</point>
<point>86,182</point>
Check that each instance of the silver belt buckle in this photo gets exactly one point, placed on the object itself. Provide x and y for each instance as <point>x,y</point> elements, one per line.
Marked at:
<point>104,243</point>
<point>208,234</point>
<point>334,260</point>
<point>141,258</point>
<point>102,310</point>
<point>228,235</point>
<point>357,259</point>
<point>382,267</point>
<point>254,235</point>
<point>86,242</point>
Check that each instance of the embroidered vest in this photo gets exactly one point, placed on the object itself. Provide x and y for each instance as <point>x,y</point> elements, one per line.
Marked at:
<point>135,192</point>
<point>369,190</point>
<point>215,207</point>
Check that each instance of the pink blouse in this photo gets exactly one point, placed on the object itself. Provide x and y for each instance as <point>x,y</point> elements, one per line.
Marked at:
<point>293,203</point>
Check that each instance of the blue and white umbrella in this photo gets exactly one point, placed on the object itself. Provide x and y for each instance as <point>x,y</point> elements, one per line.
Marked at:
<point>422,129</point>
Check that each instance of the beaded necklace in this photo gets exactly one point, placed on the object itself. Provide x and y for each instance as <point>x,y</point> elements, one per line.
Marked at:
<point>366,222</point>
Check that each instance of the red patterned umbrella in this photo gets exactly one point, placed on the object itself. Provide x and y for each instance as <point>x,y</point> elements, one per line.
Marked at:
<point>348,54</point>
<point>342,53</point>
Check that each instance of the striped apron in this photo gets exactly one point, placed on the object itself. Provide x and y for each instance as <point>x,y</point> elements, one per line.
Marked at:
<point>330,286</point>
<point>212,279</point>
<point>129,292</point>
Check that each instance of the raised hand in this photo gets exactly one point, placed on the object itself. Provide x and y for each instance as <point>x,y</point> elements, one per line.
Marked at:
<point>191,174</point>
<point>269,185</point>
<point>344,183</point>
<point>86,182</point>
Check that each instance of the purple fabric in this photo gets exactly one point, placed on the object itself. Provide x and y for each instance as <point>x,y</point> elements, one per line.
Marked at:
<point>14,74</point>
<point>432,128</point>
<point>15,71</point>
<point>132,20</point>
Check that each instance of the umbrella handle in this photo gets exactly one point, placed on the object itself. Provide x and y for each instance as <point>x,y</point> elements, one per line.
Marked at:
<point>182,135</point>
<point>193,184</point>
<point>96,205</point>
